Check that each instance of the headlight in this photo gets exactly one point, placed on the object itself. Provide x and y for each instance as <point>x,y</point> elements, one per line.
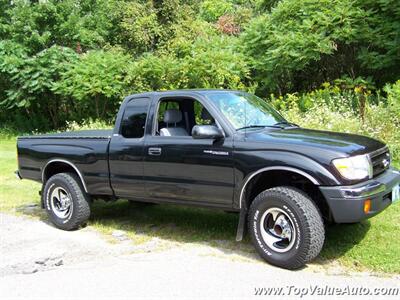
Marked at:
<point>354,168</point>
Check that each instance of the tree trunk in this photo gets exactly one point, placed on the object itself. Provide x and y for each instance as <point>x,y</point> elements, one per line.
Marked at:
<point>96,100</point>
<point>53,119</point>
<point>362,100</point>
<point>104,108</point>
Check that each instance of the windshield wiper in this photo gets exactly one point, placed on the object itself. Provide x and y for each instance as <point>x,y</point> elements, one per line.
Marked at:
<point>286,123</point>
<point>251,126</point>
<point>276,125</point>
<point>256,126</point>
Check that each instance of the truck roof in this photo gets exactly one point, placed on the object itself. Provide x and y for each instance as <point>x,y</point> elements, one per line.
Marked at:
<point>172,92</point>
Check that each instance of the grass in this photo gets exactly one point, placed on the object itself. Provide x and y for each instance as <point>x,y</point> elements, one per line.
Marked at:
<point>372,245</point>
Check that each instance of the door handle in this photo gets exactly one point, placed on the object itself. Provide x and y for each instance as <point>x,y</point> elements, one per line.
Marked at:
<point>154,151</point>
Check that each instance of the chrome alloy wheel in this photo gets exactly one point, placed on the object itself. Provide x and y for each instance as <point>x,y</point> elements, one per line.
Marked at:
<point>61,203</point>
<point>277,230</point>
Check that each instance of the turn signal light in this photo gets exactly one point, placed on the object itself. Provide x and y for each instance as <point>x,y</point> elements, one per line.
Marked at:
<point>367,206</point>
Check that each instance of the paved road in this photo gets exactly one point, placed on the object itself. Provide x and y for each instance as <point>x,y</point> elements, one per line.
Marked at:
<point>41,262</point>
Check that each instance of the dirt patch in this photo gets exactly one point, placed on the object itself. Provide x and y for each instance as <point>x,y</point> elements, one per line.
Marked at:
<point>29,246</point>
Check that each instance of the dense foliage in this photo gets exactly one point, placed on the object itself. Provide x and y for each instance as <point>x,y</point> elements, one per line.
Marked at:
<point>301,44</point>
<point>71,60</point>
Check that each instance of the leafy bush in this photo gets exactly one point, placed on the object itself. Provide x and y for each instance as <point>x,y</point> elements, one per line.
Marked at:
<point>302,43</point>
<point>211,10</point>
<point>185,34</point>
<point>97,81</point>
<point>40,24</point>
<point>8,132</point>
<point>207,63</point>
<point>379,37</point>
<point>393,100</point>
<point>30,84</point>
<point>214,64</point>
<point>154,72</point>
<point>266,5</point>
<point>139,28</point>
<point>381,121</point>
<point>12,59</point>
<point>342,95</point>
<point>88,124</point>
<point>226,24</point>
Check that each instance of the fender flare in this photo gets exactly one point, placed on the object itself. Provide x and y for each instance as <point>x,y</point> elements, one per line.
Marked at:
<point>243,209</point>
<point>68,163</point>
<point>274,168</point>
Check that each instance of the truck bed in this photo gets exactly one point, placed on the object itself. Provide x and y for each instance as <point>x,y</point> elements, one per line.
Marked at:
<point>85,150</point>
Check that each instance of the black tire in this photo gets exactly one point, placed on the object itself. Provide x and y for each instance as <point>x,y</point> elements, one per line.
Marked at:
<point>70,186</point>
<point>300,213</point>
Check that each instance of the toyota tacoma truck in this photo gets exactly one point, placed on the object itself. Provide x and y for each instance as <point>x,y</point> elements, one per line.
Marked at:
<point>219,149</point>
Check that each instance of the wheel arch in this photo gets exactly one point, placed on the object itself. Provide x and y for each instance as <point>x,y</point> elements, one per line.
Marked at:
<point>254,176</point>
<point>56,166</point>
<point>274,176</point>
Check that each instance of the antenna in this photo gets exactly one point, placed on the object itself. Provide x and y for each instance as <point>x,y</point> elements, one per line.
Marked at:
<point>245,118</point>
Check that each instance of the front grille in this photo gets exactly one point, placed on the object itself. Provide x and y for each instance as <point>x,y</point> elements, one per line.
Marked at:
<point>380,161</point>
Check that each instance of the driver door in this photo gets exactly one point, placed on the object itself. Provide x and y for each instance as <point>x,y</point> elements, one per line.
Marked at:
<point>187,169</point>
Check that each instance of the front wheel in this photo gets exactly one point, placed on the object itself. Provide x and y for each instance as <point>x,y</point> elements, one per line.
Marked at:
<point>286,227</point>
<point>65,201</point>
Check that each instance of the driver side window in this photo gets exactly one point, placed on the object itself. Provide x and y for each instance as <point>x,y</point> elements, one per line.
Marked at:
<point>177,117</point>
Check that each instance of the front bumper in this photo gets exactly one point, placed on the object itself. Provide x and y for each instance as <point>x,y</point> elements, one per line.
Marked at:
<point>347,202</point>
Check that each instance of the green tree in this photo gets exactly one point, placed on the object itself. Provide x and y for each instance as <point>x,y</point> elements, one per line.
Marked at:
<point>380,40</point>
<point>207,63</point>
<point>138,30</point>
<point>96,80</point>
<point>31,80</point>
<point>72,23</point>
<point>302,43</point>
<point>211,10</point>
<point>12,59</point>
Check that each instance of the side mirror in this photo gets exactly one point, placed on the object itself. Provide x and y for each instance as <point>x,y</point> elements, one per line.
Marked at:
<point>207,132</point>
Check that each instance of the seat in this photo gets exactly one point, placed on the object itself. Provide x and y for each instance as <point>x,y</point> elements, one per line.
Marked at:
<point>171,118</point>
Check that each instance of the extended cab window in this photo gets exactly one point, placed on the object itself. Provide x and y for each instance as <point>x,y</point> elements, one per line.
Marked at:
<point>134,119</point>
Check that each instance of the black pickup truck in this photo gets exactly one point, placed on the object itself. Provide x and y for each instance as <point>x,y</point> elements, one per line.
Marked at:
<point>219,149</point>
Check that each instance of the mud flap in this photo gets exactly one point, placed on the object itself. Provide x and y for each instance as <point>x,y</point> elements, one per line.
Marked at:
<point>241,225</point>
<point>41,197</point>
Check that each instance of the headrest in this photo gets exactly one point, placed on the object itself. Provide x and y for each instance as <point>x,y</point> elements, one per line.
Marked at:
<point>172,116</point>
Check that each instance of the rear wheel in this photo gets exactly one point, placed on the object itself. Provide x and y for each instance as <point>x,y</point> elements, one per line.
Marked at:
<point>65,201</point>
<point>286,227</point>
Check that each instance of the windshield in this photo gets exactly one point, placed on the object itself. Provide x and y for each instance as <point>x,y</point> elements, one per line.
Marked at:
<point>245,110</point>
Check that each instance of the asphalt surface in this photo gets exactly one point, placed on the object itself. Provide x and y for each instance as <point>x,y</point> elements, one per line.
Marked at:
<point>41,262</point>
